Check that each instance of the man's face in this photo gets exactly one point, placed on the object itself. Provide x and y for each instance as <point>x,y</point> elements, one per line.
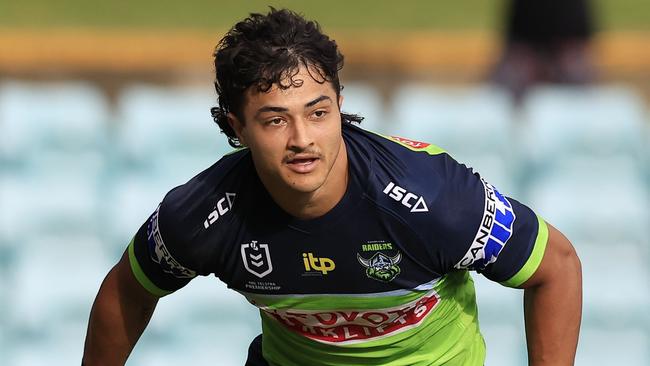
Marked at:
<point>294,135</point>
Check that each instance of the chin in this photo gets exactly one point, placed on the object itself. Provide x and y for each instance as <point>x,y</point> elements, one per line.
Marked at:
<point>305,184</point>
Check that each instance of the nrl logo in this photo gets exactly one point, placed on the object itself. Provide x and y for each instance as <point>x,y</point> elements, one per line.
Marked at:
<point>257,259</point>
<point>381,267</point>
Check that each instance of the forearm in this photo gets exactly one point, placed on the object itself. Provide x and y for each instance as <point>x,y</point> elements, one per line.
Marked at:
<point>553,312</point>
<point>117,320</point>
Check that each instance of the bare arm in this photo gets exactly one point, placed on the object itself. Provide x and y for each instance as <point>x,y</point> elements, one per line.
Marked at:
<point>118,317</point>
<point>553,304</point>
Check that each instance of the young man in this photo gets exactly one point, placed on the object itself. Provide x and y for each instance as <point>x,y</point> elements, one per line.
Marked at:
<point>355,247</point>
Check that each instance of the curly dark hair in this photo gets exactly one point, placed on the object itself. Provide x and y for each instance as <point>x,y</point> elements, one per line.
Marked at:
<point>266,50</point>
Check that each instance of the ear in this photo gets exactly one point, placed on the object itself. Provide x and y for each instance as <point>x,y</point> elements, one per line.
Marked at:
<point>237,126</point>
<point>340,101</point>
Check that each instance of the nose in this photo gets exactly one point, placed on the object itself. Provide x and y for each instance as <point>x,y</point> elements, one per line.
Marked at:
<point>300,136</point>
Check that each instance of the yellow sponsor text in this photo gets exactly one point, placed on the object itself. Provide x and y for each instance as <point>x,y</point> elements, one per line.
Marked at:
<point>322,265</point>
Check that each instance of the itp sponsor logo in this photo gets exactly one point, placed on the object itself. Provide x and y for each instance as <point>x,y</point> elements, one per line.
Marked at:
<point>322,264</point>
<point>493,233</point>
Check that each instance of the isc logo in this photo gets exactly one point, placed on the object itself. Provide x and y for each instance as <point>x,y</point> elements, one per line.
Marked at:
<point>220,209</point>
<point>322,265</point>
<point>414,202</point>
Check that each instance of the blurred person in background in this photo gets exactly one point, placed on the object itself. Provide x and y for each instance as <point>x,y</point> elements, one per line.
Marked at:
<point>546,42</point>
<point>355,247</point>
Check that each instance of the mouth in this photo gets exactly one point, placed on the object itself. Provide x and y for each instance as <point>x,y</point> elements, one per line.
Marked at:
<point>302,164</point>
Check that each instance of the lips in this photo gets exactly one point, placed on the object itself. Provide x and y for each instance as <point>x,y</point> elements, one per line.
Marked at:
<point>303,164</point>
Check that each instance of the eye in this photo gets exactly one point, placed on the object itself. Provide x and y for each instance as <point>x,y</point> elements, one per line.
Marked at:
<point>319,113</point>
<point>277,121</point>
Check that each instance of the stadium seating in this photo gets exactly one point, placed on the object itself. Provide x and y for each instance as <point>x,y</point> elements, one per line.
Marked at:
<point>597,121</point>
<point>470,119</point>
<point>46,126</point>
<point>207,320</point>
<point>48,204</point>
<point>504,334</point>
<point>131,199</point>
<point>78,178</point>
<point>594,198</point>
<point>362,99</point>
<point>506,344</point>
<point>168,131</point>
<point>55,280</point>
<point>474,124</point>
<point>606,293</point>
<point>618,345</point>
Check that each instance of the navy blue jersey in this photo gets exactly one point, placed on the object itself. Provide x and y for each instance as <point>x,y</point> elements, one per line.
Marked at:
<point>388,262</point>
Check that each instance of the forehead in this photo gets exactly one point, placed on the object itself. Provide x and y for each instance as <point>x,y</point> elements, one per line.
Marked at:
<point>300,86</point>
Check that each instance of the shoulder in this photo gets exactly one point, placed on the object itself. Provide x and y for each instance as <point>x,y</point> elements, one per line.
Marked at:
<point>224,175</point>
<point>405,173</point>
<point>187,211</point>
<point>426,189</point>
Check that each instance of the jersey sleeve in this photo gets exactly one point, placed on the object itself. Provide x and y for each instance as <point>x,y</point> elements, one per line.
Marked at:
<point>156,254</point>
<point>487,231</point>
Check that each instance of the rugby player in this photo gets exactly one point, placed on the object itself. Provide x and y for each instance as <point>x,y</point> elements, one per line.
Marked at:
<point>355,247</point>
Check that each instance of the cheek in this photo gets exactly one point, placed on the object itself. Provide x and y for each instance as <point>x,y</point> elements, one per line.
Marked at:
<point>271,145</point>
<point>267,151</point>
<point>332,137</point>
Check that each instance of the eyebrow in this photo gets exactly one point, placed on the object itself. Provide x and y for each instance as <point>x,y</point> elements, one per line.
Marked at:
<point>283,109</point>
<point>317,100</point>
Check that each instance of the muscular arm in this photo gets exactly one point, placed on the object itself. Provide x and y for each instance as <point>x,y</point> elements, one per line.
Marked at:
<point>553,304</point>
<point>118,317</point>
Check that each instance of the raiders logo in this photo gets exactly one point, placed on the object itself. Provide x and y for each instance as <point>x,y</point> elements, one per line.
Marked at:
<point>381,267</point>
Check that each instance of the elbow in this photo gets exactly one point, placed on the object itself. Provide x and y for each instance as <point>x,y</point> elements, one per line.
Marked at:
<point>563,256</point>
<point>571,261</point>
<point>560,265</point>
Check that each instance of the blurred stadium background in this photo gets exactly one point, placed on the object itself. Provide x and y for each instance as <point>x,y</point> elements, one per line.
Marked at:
<point>104,106</point>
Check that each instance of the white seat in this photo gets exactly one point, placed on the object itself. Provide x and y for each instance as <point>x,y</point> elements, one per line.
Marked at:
<point>222,344</point>
<point>594,199</point>
<point>597,121</point>
<point>364,100</point>
<point>473,124</point>
<point>496,170</point>
<point>501,315</point>
<point>613,346</point>
<point>205,300</point>
<point>62,350</point>
<point>36,205</point>
<point>606,291</point>
<point>41,120</point>
<point>129,203</point>
<point>497,304</point>
<point>472,120</point>
<point>505,343</point>
<point>208,320</point>
<point>56,280</point>
<point>159,125</point>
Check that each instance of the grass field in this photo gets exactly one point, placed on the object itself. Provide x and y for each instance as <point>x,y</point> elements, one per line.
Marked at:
<point>332,14</point>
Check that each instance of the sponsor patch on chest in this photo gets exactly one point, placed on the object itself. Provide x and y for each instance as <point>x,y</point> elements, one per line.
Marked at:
<point>356,326</point>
